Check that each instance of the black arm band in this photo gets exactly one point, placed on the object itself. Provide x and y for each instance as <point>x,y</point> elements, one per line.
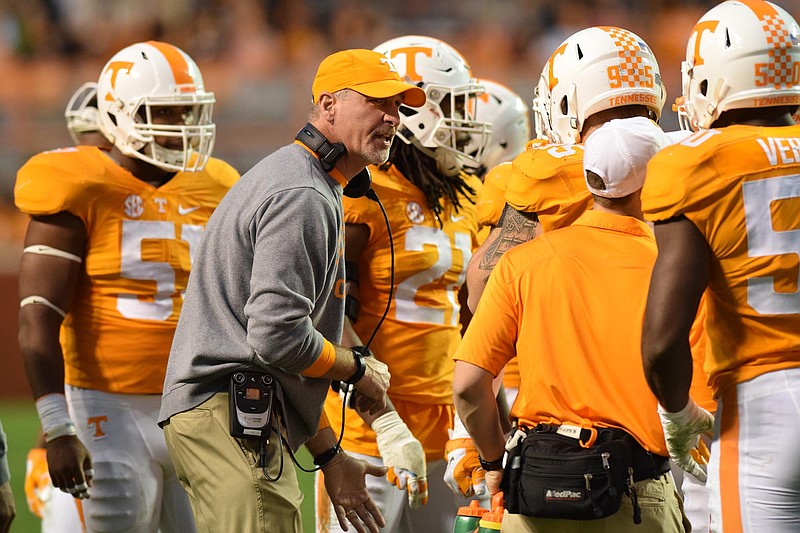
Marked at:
<point>490,466</point>
<point>325,457</point>
<point>361,367</point>
<point>351,308</point>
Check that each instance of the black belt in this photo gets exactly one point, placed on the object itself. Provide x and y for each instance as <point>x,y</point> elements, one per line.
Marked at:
<point>646,465</point>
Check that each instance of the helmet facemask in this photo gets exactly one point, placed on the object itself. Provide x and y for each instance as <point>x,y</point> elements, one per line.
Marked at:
<point>81,112</point>
<point>541,110</point>
<point>511,127</point>
<point>450,112</point>
<point>195,130</point>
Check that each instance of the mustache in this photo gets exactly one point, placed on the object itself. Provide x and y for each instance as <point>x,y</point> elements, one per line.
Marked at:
<point>387,131</point>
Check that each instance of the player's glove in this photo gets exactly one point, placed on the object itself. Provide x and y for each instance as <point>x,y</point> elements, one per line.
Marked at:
<point>404,456</point>
<point>37,481</point>
<point>682,432</point>
<point>464,474</point>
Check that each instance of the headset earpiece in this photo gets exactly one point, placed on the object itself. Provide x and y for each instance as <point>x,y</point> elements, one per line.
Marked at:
<point>328,154</point>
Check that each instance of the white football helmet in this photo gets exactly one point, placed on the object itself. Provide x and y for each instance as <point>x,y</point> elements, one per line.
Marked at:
<point>138,80</point>
<point>511,124</point>
<point>442,128</point>
<point>739,55</point>
<point>593,70</point>
<point>81,111</point>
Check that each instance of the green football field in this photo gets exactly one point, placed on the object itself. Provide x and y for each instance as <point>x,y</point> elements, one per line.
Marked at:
<point>22,425</point>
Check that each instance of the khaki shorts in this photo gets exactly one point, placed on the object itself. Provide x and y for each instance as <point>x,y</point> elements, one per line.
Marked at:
<point>228,492</point>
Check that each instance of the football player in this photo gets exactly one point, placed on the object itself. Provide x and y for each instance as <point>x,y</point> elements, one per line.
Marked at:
<point>725,203</point>
<point>60,512</point>
<point>511,130</point>
<point>430,207</point>
<point>595,75</point>
<point>107,256</point>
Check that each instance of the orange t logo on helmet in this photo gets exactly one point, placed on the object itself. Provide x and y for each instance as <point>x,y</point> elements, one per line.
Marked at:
<point>709,25</point>
<point>411,55</point>
<point>115,67</point>
<point>552,80</point>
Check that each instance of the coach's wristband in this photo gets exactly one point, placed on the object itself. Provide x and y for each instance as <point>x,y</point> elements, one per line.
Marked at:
<point>361,366</point>
<point>490,466</point>
<point>327,456</point>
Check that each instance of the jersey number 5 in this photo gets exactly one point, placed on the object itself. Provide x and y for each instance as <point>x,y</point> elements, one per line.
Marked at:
<point>133,266</point>
<point>763,240</point>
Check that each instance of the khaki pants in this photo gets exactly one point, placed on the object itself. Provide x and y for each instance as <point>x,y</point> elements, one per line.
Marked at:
<point>228,492</point>
<point>662,512</point>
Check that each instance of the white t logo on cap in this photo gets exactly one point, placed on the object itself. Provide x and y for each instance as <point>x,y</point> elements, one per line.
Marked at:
<point>388,62</point>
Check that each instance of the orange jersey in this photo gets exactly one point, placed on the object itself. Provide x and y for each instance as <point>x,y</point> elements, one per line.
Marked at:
<point>139,248</point>
<point>579,357</point>
<point>547,179</point>
<point>422,328</point>
<point>491,197</point>
<point>740,186</point>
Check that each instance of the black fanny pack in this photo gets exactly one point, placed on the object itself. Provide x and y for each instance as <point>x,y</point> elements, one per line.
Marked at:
<point>554,472</point>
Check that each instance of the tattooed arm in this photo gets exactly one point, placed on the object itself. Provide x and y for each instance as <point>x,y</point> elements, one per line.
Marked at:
<point>513,228</point>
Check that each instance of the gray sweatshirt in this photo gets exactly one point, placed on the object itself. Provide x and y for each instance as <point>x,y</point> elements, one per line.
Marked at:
<point>261,295</point>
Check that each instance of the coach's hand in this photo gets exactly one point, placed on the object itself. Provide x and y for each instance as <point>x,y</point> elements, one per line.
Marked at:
<point>70,466</point>
<point>345,481</point>
<point>373,386</point>
<point>404,456</point>
<point>682,432</point>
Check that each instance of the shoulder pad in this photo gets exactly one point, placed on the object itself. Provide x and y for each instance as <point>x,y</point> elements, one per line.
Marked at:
<point>58,180</point>
<point>547,179</point>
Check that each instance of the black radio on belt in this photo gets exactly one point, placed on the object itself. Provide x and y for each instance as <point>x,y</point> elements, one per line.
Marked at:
<point>251,396</point>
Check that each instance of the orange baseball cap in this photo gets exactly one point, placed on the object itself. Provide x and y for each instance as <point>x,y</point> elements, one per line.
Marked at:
<point>367,72</point>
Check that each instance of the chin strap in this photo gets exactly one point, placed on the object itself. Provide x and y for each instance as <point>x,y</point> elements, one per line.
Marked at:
<point>447,162</point>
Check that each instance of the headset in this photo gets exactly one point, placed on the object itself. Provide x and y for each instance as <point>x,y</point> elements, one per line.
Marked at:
<point>329,153</point>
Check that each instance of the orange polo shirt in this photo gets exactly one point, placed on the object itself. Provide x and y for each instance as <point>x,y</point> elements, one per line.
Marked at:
<point>569,304</point>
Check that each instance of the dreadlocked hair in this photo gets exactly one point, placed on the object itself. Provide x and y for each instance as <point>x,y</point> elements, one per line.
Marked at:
<point>420,170</point>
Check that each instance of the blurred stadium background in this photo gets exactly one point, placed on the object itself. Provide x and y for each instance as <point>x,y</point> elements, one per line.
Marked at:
<point>259,56</point>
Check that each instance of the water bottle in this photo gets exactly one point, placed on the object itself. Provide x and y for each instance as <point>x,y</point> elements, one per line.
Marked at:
<point>492,520</point>
<point>468,518</point>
